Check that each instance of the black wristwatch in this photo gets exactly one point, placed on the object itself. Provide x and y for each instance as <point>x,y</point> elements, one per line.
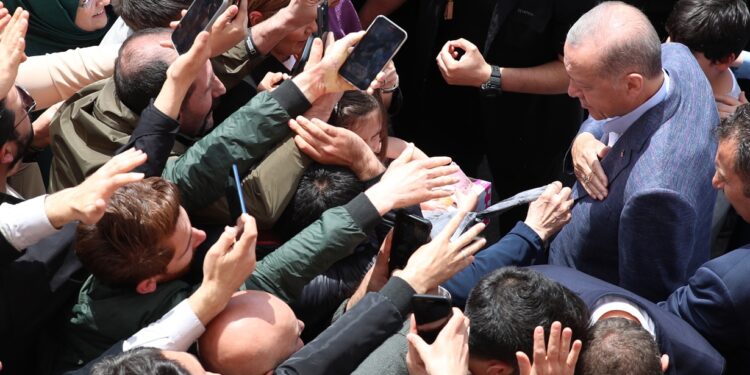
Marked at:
<point>493,86</point>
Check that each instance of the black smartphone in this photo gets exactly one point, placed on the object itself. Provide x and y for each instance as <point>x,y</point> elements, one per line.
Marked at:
<point>431,313</point>
<point>409,233</point>
<point>322,33</point>
<point>200,16</point>
<point>378,46</point>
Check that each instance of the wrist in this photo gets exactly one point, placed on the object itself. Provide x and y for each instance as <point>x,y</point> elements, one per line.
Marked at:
<point>310,83</point>
<point>486,71</point>
<point>415,280</point>
<point>207,302</point>
<point>543,234</point>
<point>57,210</point>
<point>379,199</point>
<point>367,165</point>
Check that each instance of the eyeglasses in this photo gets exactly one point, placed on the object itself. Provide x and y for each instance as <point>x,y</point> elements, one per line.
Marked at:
<point>29,104</point>
<point>86,3</point>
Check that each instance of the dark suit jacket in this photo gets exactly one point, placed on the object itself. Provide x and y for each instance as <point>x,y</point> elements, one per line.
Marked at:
<point>716,302</point>
<point>652,231</point>
<point>35,287</point>
<point>689,352</point>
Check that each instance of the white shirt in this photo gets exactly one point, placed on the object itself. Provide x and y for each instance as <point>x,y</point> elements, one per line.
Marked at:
<point>611,303</point>
<point>176,330</point>
<point>614,127</point>
<point>25,223</point>
<point>117,33</point>
<point>736,90</point>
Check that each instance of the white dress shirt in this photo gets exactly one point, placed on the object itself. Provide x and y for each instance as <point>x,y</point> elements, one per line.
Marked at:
<point>611,303</point>
<point>176,330</point>
<point>25,223</point>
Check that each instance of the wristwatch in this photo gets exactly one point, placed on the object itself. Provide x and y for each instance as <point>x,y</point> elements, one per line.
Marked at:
<point>493,86</point>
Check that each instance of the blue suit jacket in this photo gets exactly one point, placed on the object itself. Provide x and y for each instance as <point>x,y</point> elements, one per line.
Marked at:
<point>716,302</point>
<point>652,231</point>
<point>689,353</point>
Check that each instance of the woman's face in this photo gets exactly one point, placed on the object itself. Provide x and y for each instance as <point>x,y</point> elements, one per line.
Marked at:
<point>91,15</point>
<point>368,128</point>
<point>294,42</point>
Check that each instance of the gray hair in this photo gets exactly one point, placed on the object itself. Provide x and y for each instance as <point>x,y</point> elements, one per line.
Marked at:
<point>627,39</point>
<point>737,127</point>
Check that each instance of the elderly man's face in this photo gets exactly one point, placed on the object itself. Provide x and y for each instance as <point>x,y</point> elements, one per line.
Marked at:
<point>602,96</point>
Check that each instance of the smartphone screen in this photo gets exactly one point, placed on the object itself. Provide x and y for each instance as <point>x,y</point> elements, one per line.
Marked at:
<point>381,42</point>
<point>200,16</point>
<point>409,233</point>
<point>431,313</point>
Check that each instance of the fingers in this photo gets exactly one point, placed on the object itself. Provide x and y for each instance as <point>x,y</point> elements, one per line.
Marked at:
<point>575,351</point>
<point>598,181</point>
<point>385,248</point>
<point>418,344</point>
<point>226,17</point>
<point>225,241</point>
<point>553,345</point>
<point>470,235</point>
<point>524,365</point>
<point>124,162</point>
<point>743,99</point>
<point>249,233</point>
<point>469,251</point>
<point>451,227</point>
<point>540,354</point>
<point>404,157</point>
<point>727,100</point>
<point>200,44</point>
<point>567,335</point>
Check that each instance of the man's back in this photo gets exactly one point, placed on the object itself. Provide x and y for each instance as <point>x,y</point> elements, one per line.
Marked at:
<point>652,231</point>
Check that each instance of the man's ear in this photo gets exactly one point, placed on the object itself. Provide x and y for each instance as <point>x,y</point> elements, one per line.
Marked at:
<point>146,286</point>
<point>495,367</point>
<point>664,363</point>
<point>634,82</point>
<point>7,152</point>
<point>255,17</point>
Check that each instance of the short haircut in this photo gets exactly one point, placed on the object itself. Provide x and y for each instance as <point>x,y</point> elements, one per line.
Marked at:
<point>136,362</point>
<point>619,346</point>
<point>355,104</point>
<point>628,41</point>
<point>718,28</point>
<point>7,123</point>
<point>146,14</point>
<point>266,6</point>
<point>507,305</point>
<point>320,188</point>
<point>737,127</point>
<point>128,244</point>
<point>141,72</point>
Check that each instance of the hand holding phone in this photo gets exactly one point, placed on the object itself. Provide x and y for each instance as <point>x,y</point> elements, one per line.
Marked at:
<point>380,43</point>
<point>241,198</point>
<point>431,313</point>
<point>199,17</point>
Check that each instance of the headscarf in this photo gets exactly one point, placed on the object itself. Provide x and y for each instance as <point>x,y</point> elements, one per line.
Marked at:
<point>52,26</point>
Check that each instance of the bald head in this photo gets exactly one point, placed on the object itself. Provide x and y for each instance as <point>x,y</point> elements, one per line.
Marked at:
<point>254,334</point>
<point>141,67</point>
<point>624,37</point>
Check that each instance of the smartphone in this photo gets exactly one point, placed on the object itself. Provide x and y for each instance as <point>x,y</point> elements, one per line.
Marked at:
<point>200,16</point>
<point>409,233</point>
<point>240,197</point>
<point>378,46</point>
<point>431,313</point>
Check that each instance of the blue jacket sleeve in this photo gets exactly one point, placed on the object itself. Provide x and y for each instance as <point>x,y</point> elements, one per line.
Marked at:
<point>518,248</point>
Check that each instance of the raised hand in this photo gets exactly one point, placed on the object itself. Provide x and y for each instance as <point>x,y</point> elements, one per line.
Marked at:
<point>12,45</point>
<point>469,69</point>
<point>87,202</point>
<point>550,212</point>
<point>586,153</point>
<point>229,29</point>
<point>181,74</point>
<point>559,358</point>
<point>386,79</point>
<point>440,259</point>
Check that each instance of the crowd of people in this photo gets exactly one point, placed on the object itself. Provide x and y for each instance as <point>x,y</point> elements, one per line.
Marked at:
<point>219,211</point>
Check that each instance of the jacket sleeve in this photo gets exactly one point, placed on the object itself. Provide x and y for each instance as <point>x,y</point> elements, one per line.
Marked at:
<point>334,236</point>
<point>202,173</point>
<point>232,66</point>
<point>346,343</point>
<point>154,135</point>
<point>272,184</point>
<point>517,248</point>
<point>655,240</point>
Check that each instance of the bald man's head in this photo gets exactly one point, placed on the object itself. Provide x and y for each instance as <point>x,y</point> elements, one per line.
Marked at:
<point>624,37</point>
<point>141,67</point>
<point>253,335</point>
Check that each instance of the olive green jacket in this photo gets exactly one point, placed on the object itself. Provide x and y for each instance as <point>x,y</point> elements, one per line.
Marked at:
<point>93,124</point>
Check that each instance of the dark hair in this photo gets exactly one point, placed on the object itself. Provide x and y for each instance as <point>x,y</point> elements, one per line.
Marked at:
<point>355,104</point>
<point>7,123</point>
<point>505,307</point>
<point>140,73</point>
<point>128,244</point>
<point>138,361</point>
<point>619,346</point>
<point>717,28</point>
<point>146,14</point>
<point>320,188</point>
<point>737,127</point>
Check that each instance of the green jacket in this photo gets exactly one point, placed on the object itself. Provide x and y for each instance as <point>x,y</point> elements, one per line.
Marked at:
<point>104,315</point>
<point>93,124</point>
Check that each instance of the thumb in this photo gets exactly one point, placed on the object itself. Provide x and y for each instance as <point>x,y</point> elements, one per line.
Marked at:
<point>316,54</point>
<point>418,344</point>
<point>603,152</point>
<point>226,240</point>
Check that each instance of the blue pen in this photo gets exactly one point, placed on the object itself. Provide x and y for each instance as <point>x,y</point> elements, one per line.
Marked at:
<point>239,187</point>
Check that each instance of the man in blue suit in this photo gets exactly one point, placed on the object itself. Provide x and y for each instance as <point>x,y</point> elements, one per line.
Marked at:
<point>716,300</point>
<point>653,106</point>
